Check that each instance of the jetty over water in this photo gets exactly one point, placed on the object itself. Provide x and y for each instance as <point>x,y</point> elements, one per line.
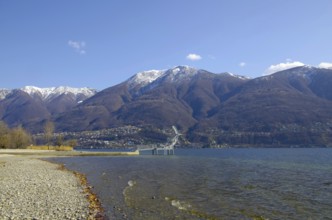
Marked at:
<point>166,149</point>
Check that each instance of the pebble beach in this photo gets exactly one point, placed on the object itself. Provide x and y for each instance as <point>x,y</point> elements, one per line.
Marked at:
<point>35,189</point>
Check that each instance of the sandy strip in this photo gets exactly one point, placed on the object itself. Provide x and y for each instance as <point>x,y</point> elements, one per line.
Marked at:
<point>8,151</point>
<point>36,189</point>
<point>53,153</point>
<point>6,155</point>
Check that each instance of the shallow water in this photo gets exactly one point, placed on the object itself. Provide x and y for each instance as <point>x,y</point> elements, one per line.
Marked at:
<point>213,184</point>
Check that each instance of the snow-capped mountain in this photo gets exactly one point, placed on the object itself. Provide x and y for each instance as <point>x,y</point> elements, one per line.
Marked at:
<point>238,76</point>
<point>30,104</point>
<point>4,93</point>
<point>48,94</point>
<point>147,80</point>
<point>178,74</point>
<point>180,95</point>
<point>141,79</point>
<point>288,108</point>
<point>277,110</point>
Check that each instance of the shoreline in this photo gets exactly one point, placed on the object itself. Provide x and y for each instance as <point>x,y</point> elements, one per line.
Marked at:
<point>96,211</point>
<point>34,188</point>
<point>54,153</point>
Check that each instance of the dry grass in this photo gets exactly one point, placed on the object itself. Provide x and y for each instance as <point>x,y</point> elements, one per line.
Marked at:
<point>2,163</point>
<point>44,147</point>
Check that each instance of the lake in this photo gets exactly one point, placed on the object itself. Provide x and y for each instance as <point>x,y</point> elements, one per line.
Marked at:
<point>258,183</point>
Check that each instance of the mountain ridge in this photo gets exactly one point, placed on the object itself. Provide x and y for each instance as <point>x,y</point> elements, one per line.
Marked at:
<point>50,92</point>
<point>30,105</point>
<point>292,107</point>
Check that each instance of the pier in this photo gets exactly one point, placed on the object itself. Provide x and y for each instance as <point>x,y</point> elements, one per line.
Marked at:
<point>167,149</point>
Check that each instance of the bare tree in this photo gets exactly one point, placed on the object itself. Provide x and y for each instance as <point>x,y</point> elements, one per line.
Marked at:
<point>4,135</point>
<point>48,132</point>
<point>19,138</point>
<point>59,140</point>
<point>72,142</point>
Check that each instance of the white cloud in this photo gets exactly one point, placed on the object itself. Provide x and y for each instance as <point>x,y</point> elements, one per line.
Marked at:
<point>282,66</point>
<point>242,64</point>
<point>193,57</point>
<point>325,65</point>
<point>79,46</point>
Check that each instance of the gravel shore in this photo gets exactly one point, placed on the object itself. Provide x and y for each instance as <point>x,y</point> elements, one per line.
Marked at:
<point>36,189</point>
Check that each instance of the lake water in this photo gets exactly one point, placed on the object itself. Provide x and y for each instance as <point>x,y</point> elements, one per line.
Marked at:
<point>213,184</point>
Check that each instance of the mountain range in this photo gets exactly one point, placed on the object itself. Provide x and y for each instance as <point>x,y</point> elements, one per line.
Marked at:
<point>288,108</point>
<point>29,106</point>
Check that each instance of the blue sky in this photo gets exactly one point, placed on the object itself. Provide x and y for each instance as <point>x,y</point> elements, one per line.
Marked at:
<point>98,44</point>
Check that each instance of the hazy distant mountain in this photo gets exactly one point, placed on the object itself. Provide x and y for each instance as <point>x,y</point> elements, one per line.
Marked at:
<point>29,105</point>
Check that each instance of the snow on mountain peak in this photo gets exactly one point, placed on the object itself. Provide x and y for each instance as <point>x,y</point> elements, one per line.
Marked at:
<point>177,74</point>
<point>46,93</point>
<point>183,70</point>
<point>4,93</point>
<point>65,90</point>
<point>145,77</point>
<point>237,76</point>
<point>179,69</point>
<point>325,65</point>
<point>305,71</point>
<point>180,73</point>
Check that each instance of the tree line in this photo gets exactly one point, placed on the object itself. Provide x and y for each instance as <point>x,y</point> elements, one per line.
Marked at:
<point>18,137</point>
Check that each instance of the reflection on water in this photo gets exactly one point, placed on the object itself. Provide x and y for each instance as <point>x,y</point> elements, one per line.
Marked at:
<point>213,184</point>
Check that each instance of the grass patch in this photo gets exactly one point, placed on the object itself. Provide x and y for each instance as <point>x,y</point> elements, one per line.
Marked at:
<point>57,148</point>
